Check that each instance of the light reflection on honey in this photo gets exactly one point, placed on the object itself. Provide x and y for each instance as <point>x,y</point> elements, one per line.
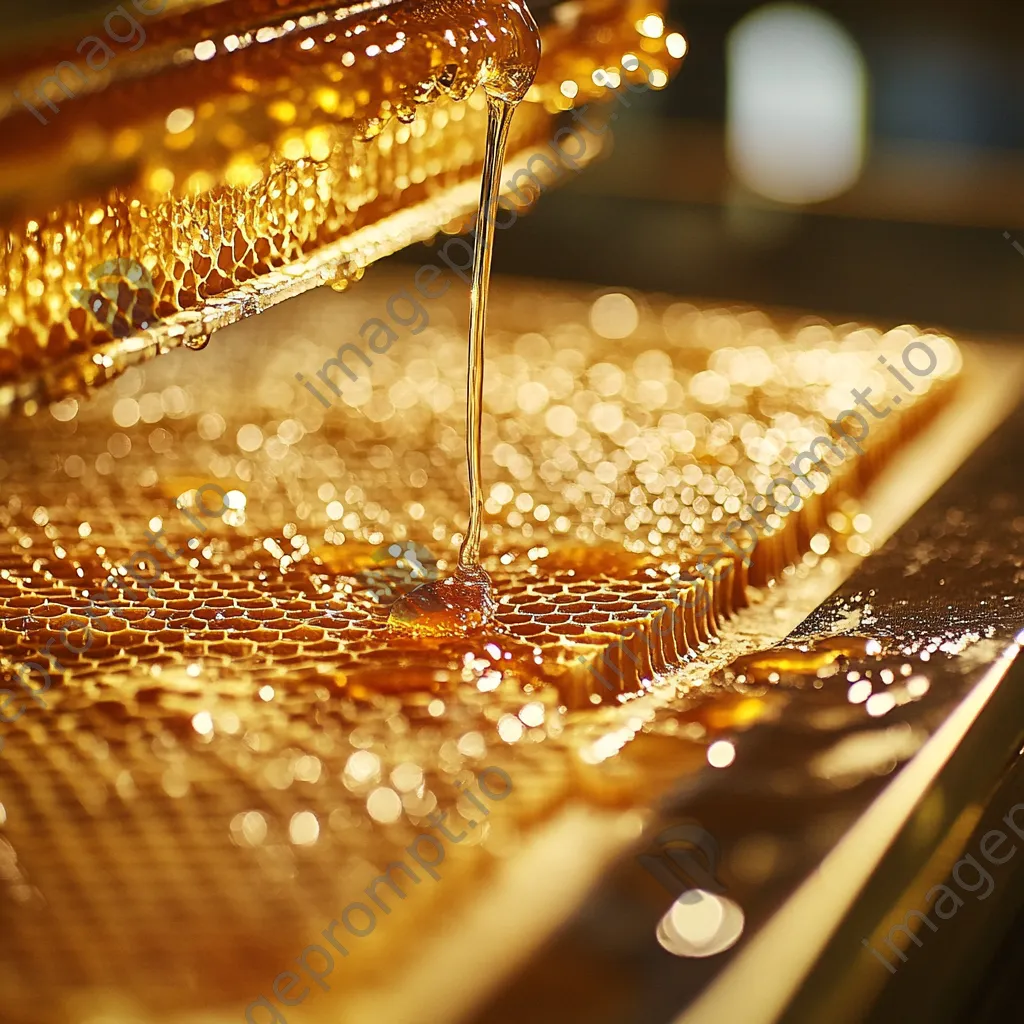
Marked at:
<point>585,483</point>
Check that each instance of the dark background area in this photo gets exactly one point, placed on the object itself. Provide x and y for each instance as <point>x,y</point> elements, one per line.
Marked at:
<point>919,237</point>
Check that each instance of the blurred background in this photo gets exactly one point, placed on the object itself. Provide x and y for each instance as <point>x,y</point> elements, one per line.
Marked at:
<point>859,158</point>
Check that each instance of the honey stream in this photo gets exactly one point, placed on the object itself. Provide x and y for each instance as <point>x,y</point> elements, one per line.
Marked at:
<point>465,600</point>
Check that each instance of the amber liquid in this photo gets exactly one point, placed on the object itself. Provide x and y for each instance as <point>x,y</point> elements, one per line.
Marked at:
<point>464,601</point>
<point>499,118</point>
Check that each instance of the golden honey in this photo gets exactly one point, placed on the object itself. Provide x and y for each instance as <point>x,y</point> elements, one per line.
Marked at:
<point>274,707</point>
<point>256,721</point>
<point>255,718</point>
<point>465,600</point>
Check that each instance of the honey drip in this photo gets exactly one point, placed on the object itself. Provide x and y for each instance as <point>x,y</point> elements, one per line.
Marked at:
<point>465,600</point>
<point>499,117</point>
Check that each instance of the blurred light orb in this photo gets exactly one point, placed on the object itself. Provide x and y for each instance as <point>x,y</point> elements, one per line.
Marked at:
<point>721,754</point>
<point>614,316</point>
<point>652,26</point>
<point>797,98</point>
<point>676,45</point>
<point>700,924</point>
<point>304,829</point>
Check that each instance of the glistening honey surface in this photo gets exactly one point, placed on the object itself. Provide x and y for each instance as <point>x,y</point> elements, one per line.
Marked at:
<point>234,758</point>
<point>240,151</point>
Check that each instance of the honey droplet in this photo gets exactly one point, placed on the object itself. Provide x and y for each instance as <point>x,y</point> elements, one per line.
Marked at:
<point>454,606</point>
<point>197,342</point>
<point>818,661</point>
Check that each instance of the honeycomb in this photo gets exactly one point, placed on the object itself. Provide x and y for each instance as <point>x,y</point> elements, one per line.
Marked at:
<point>240,745</point>
<point>244,153</point>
